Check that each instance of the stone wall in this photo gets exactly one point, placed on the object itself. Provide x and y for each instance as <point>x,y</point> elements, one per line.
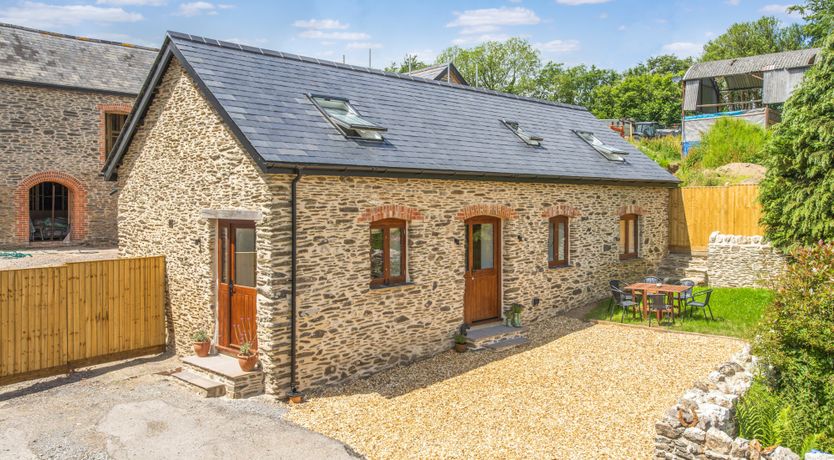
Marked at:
<point>54,133</point>
<point>702,424</point>
<point>184,160</point>
<point>736,261</point>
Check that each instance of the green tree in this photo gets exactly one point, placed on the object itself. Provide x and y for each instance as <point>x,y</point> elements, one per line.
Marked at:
<point>646,97</point>
<point>571,85</point>
<point>819,19</point>
<point>409,64</point>
<point>510,66</point>
<point>797,193</point>
<point>765,35</point>
<point>665,63</point>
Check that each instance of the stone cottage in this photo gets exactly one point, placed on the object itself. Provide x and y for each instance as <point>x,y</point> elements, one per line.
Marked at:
<point>63,102</point>
<point>348,219</point>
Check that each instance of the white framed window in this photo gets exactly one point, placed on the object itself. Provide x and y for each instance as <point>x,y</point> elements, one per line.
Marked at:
<point>608,151</point>
<point>347,119</point>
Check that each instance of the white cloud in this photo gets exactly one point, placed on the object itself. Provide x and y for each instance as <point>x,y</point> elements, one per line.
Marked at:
<point>558,46</point>
<point>733,2</point>
<point>132,2</point>
<point>363,45</point>
<point>44,16</point>
<point>775,8</point>
<point>319,24</point>
<point>683,49</point>
<point>317,34</point>
<point>581,2</point>
<point>471,39</point>
<point>622,28</point>
<point>425,55</point>
<point>492,19</point>
<point>199,8</point>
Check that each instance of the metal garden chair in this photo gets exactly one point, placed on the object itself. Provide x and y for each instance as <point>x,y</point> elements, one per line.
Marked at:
<point>651,279</point>
<point>703,304</point>
<point>625,302</point>
<point>657,303</point>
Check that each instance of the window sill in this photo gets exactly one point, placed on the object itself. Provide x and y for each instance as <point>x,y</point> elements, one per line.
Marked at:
<point>383,287</point>
<point>559,267</point>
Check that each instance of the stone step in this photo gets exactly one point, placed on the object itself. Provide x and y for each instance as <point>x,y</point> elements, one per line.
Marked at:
<point>204,386</point>
<point>504,344</point>
<point>480,337</point>
<point>225,369</point>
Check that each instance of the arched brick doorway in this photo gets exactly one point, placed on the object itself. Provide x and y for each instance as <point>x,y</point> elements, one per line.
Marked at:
<point>54,199</point>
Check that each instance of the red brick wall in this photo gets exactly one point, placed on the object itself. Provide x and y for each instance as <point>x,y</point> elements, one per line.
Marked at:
<point>77,203</point>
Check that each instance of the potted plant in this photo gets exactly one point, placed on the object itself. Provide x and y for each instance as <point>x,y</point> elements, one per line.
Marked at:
<point>202,343</point>
<point>460,343</point>
<point>515,314</point>
<point>247,358</point>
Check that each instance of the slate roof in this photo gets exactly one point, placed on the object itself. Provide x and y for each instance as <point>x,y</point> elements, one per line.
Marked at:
<point>437,72</point>
<point>760,63</point>
<point>434,128</point>
<point>35,56</point>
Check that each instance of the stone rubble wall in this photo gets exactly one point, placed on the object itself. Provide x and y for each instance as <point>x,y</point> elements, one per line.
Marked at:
<point>742,261</point>
<point>711,432</point>
<point>54,130</point>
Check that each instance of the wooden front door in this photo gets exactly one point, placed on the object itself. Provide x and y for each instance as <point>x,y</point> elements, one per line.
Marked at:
<point>236,272</point>
<point>482,295</point>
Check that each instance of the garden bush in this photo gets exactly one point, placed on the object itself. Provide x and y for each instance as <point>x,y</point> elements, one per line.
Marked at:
<point>796,346</point>
<point>731,140</point>
<point>665,150</point>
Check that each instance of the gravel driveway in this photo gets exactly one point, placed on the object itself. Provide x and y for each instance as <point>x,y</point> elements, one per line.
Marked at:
<point>577,391</point>
<point>128,412</point>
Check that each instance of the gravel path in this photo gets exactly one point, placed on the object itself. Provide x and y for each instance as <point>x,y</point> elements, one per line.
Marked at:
<point>56,256</point>
<point>577,391</point>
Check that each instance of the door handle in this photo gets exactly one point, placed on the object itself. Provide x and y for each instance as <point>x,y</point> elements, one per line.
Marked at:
<point>231,287</point>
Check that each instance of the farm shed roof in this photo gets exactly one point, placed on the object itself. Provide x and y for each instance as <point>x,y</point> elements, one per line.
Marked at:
<point>752,64</point>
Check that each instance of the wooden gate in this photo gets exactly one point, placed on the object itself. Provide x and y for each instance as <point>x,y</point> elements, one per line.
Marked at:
<point>53,319</point>
<point>696,212</point>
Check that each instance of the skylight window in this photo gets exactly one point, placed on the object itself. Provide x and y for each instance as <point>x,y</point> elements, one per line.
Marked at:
<point>529,139</point>
<point>345,118</point>
<point>608,151</point>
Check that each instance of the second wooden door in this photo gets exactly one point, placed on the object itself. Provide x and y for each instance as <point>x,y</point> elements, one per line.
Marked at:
<point>482,296</point>
<point>237,293</point>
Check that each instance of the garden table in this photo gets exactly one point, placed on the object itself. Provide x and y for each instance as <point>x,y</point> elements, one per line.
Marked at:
<point>645,289</point>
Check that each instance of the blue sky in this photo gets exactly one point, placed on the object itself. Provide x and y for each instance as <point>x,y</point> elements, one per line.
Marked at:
<point>609,33</point>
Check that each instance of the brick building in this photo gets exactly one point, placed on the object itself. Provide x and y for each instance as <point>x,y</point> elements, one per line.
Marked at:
<point>347,219</point>
<point>63,102</point>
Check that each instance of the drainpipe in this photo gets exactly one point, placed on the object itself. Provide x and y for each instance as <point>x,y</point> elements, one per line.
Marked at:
<point>294,287</point>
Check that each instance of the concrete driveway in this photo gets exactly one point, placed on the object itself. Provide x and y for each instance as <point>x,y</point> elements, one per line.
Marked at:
<point>127,411</point>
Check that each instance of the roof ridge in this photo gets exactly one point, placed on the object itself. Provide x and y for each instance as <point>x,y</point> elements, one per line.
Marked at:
<point>295,57</point>
<point>758,56</point>
<point>77,37</point>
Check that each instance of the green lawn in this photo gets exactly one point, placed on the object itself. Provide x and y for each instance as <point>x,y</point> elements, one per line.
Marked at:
<point>736,310</point>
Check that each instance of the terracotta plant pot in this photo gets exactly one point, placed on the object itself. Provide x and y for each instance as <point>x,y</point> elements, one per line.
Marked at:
<point>296,399</point>
<point>461,347</point>
<point>247,363</point>
<point>202,349</point>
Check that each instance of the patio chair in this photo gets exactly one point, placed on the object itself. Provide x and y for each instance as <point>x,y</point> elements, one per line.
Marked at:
<point>651,279</point>
<point>703,304</point>
<point>684,297</point>
<point>657,303</point>
<point>615,284</point>
<point>619,299</point>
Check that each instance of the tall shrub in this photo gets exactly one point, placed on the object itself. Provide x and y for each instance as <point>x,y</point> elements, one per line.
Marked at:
<point>731,140</point>
<point>796,341</point>
<point>797,193</point>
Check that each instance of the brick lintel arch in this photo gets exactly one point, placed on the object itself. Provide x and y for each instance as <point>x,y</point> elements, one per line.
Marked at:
<point>631,209</point>
<point>77,203</point>
<point>561,210</point>
<point>390,211</point>
<point>495,210</point>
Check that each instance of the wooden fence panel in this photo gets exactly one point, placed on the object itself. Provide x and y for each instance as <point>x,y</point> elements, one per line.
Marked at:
<point>56,318</point>
<point>696,212</point>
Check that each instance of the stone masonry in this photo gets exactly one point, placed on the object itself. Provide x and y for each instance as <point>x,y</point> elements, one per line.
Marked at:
<point>702,425</point>
<point>184,159</point>
<point>735,261</point>
<point>50,134</point>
